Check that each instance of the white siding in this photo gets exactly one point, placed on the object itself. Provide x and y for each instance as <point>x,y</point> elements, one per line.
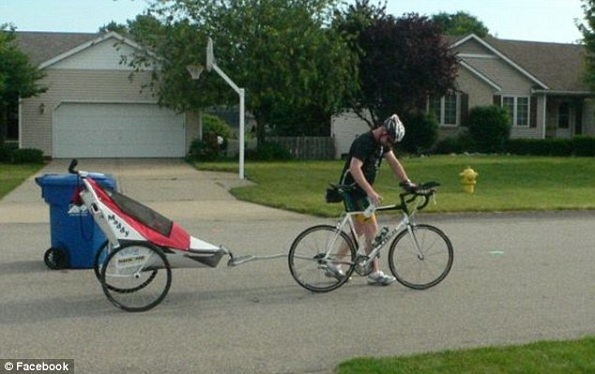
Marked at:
<point>105,55</point>
<point>345,127</point>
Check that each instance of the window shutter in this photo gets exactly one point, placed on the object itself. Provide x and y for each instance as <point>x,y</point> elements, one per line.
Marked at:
<point>464,108</point>
<point>578,121</point>
<point>533,114</point>
<point>497,100</point>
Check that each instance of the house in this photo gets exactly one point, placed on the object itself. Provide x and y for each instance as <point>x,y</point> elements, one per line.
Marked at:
<point>94,107</point>
<point>540,84</point>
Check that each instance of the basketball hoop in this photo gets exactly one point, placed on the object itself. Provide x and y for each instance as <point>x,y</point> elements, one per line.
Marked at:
<point>195,71</point>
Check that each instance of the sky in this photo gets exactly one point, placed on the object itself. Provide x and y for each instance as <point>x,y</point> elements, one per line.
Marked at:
<point>534,20</point>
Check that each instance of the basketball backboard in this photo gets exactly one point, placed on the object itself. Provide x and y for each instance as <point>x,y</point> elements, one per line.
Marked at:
<point>210,55</point>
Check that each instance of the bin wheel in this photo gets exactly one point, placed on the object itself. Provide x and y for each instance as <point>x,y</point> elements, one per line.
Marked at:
<point>56,258</point>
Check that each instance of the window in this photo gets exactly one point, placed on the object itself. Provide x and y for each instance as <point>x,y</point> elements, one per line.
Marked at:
<point>518,109</point>
<point>445,109</point>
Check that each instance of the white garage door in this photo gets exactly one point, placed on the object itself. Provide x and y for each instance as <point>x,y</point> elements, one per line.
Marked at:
<point>117,130</point>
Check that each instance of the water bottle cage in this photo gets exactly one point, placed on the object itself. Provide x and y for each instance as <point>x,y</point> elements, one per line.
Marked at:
<point>384,236</point>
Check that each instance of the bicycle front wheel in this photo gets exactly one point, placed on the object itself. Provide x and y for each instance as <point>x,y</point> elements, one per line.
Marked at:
<point>420,258</point>
<point>321,258</point>
<point>136,277</point>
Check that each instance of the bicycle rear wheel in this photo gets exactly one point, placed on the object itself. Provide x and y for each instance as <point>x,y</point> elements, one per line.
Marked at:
<point>314,250</point>
<point>136,277</point>
<point>420,259</point>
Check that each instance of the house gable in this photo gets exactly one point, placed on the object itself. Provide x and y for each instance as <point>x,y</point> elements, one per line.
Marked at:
<point>103,53</point>
<point>492,63</point>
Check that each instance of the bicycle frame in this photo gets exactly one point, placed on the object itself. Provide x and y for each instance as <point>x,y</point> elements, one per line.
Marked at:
<point>323,257</point>
<point>347,221</point>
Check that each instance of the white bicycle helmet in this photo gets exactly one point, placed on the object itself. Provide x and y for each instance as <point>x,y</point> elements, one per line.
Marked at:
<point>395,127</point>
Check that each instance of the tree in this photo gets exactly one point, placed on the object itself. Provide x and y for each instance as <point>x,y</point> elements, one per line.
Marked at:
<point>294,68</point>
<point>460,23</point>
<point>588,31</point>
<point>401,61</point>
<point>18,78</point>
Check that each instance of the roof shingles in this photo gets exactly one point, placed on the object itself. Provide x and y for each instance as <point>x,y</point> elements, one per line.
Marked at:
<point>43,46</point>
<point>560,66</point>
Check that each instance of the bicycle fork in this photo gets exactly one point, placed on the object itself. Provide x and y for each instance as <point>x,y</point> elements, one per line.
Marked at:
<point>414,241</point>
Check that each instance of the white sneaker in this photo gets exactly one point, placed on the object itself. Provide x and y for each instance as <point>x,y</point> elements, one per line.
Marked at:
<point>380,279</point>
<point>334,271</point>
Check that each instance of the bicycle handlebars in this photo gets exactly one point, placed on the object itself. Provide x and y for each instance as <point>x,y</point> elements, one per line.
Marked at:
<point>72,165</point>
<point>425,190</point>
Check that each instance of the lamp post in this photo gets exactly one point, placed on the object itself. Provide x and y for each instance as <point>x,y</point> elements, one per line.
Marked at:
<point>196,70</point>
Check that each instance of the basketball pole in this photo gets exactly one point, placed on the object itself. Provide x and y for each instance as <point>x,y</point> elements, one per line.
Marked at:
<point>195,72</point>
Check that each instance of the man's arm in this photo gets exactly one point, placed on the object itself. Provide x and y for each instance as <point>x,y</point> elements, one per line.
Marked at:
<point>396,166</point>
<point>355,168</point>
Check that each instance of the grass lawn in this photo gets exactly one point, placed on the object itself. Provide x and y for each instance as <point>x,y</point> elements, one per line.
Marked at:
<point>505,183</point>
<point>577,356</point>
<point>12,176</point>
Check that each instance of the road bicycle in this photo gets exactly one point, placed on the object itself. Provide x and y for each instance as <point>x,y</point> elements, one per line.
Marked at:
<point>420,255</point>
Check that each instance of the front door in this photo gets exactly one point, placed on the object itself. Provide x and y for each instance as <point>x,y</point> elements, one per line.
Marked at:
<point>566,120</point>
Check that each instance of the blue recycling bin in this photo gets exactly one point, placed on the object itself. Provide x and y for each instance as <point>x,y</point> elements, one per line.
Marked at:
<point>75,236</point>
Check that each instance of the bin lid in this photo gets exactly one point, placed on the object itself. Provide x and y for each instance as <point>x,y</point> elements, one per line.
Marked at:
<point>72,180</point>
<point>69,179</point>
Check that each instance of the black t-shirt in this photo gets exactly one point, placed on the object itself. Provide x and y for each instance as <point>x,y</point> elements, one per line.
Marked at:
<point>366,149</point>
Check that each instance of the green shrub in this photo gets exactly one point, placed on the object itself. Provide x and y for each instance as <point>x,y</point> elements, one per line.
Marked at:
<point>210,147</point>
<point>206,149</point>
<point>269,151</point>
<point>212,124</point>
<point>557,147</point>
<point>27,156</point>
<point>583,146</point>
<point>540,147</point>
<point>453,144</point>
<point>5,154</point>
<point>489,128</point>
<point>12,155</point>
<point>421,132</point>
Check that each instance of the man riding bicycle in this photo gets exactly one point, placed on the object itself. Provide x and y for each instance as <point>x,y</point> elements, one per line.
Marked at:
<point>361,168</point>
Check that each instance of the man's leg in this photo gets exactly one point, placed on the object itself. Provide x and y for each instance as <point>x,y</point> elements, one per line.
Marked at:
<point>368,227</point>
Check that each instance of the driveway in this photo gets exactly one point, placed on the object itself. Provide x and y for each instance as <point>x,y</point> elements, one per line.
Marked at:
<point>517,278</point>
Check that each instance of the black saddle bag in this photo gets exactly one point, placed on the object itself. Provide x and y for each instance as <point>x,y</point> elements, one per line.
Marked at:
<point>333,195</point>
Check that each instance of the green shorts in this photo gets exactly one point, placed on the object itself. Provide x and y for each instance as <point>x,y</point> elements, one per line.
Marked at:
<point>356,202</point>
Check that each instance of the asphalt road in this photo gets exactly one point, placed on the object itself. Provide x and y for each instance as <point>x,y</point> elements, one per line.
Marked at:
<point>517,278</point>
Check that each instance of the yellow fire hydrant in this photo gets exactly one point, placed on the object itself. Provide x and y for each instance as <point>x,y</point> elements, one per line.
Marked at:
<point>468,179</point>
